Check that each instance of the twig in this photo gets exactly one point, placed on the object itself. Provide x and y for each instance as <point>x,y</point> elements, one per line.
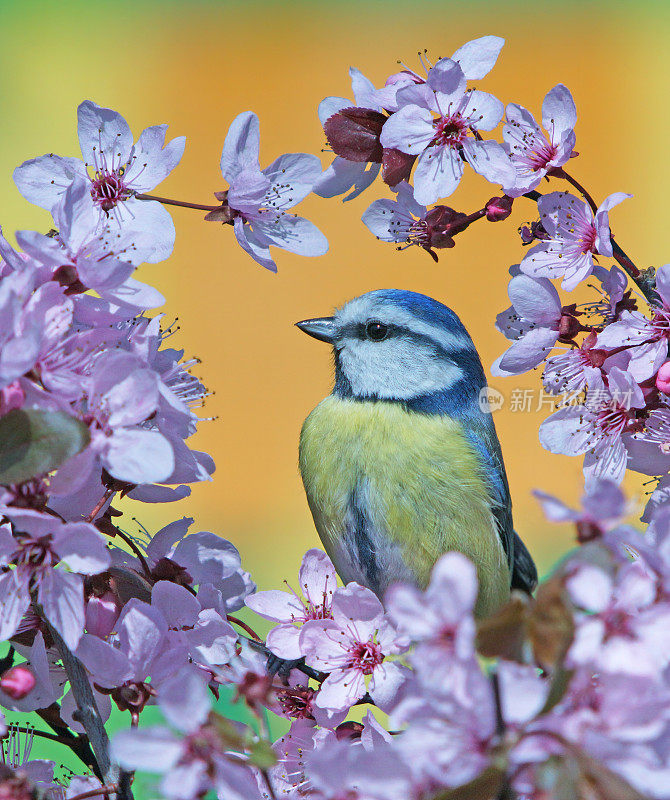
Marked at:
<point>79,744</point>
<point>167,202</point>
<point>244,626</point>
<point>112,788</point>
<point>261,648</point>
<point>108,493</point>
<point>88,714</point>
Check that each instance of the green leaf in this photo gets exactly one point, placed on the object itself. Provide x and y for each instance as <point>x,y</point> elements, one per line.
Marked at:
<point>34,442</point>
<point>262,755</point>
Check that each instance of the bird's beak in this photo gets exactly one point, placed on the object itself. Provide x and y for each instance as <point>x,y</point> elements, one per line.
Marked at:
<point>322,328</point>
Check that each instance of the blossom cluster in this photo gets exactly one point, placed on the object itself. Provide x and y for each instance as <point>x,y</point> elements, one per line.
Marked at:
<point>563,694</point>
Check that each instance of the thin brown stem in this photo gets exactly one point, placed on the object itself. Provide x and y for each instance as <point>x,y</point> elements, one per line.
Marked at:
<point>111,788</point>
<point>244,626</point>
<point>561,173</point>
<point>136,550</point>
<point>98,506</point>
<point>166,201</point>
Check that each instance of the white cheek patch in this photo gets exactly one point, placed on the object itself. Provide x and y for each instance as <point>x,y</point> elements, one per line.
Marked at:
<point>396,368</point>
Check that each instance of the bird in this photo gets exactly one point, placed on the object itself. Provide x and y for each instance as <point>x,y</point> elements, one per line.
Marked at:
<point>401,462</point>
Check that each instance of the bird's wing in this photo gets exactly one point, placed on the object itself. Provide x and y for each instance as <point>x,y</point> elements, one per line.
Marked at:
<point>482,434</point>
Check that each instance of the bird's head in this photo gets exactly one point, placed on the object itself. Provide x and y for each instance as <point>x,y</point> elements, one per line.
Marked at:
<point>399,345</point>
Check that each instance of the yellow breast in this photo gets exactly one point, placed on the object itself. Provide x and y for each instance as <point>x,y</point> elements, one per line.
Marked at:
<point>423,489</point>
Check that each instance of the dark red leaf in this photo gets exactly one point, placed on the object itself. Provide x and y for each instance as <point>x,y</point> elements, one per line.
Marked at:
<point>396,166</point>
<point>353,133</point>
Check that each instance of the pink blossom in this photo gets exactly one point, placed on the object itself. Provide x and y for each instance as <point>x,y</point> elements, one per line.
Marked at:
<point>122,395</point>
<point>40,551</point>
<point>603,506</point>
<point>534,322</point>
<point>195,762</point>
<point>622,628</point>
<point>351,646</point>
<point>15,752</point>
<point>598,429</point>
<point>649,446</point>
<point>575,236</point>
<point>119,171</point>
<point>437,121</point>
<point>256,200</point>
<point>318,583</point>
<point>646,339</point>
<point>441,618</point>
<point>534,153</point>
<point>663,378</point>
<point>88,255</point>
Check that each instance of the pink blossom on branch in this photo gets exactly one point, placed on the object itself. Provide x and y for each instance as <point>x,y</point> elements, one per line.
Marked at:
<point>116,169</point>
<point>532,152</point>
<point>353,646</point>
<point>256,201</point>
<point>437,121</point>
<point>575,236</point>
<point>318,584</point>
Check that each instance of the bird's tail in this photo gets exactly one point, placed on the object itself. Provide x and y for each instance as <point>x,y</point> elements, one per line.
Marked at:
<point>524,573</point>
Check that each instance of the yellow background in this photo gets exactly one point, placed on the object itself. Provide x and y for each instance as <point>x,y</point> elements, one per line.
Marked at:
<point>196,65</point>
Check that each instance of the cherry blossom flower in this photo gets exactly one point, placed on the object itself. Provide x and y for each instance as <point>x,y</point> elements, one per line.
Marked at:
<point>597,429</point>
<point>535,322</point>
<point>202,559</point>
<point>603,508</point>
<point>577,368</point>
<point>436,121</point>
<point>646,339</point>
<point>120,171</point>
<point>122,395</point>
<point>649,446</point>
<point>40,551</point>
<point>575,236</point>
<point>351,646</point>
<point>532,152</point>
<point>88,255</point>
<point>256,201</point>
<point>192,765</point>
<point>318,583</point>
<point>622,628</point>
<point>15,752</point>
<point>440,618</point>
<point>406,222</point>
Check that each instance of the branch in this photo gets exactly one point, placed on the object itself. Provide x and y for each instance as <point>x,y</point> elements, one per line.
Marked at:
<point>88,714</point>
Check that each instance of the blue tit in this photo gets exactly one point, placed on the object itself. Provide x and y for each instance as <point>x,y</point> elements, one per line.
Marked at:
<point>401,462</point>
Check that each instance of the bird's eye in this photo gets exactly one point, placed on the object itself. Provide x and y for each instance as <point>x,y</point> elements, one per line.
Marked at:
<point>376,330</point>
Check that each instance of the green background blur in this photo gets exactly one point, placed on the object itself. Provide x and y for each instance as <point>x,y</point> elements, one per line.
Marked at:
<point>196,65</point>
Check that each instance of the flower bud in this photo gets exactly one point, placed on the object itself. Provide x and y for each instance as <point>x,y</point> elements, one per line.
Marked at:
<point>348,731</point>
<point>499,208</point>
<point>663,378</point>
<point>18,682</point>
<point>102,613</point>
